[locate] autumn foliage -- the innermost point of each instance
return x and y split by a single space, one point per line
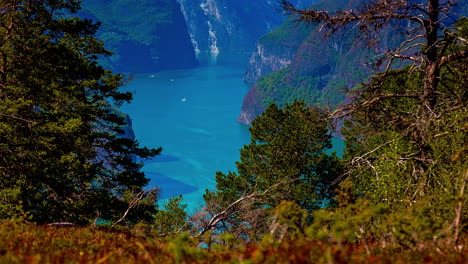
28 243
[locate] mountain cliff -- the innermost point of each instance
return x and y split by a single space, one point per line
145 36
275 50
319 72
226 29
298 61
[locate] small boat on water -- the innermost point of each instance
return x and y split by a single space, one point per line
183 99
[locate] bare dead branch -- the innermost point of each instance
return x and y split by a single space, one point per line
347 110
133 203
453 57
229 209
18 118
376 14
411 58
458 209
356 160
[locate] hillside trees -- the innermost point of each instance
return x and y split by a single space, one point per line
62 156
285 161
406 128
428 27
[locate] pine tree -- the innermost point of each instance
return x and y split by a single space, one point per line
285 161
62 156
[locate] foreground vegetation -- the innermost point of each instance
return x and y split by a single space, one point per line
29 243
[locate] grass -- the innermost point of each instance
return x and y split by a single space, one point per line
29 243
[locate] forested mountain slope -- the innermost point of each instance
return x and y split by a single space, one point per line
299 61
145 36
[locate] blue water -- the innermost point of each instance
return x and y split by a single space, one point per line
192 115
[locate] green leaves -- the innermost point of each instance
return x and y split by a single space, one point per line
399 150
286 146
172 219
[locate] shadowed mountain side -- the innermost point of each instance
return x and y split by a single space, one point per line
145 36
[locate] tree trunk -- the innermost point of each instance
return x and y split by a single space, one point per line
432 68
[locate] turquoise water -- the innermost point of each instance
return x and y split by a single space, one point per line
192 115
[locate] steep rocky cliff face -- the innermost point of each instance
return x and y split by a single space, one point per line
227 29
319 72
275 50
145 35
128 128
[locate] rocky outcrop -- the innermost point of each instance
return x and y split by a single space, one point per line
226 29
125 130
252 105
263 61
128 128
145 36
275 50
